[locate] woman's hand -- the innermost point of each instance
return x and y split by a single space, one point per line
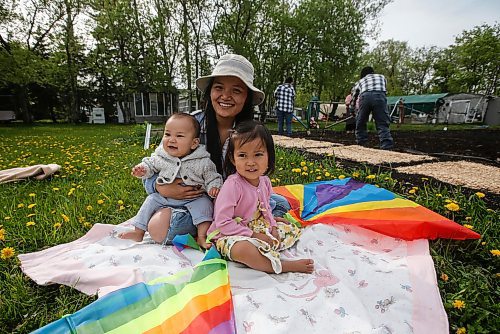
178 190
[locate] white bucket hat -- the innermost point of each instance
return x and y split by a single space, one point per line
236 66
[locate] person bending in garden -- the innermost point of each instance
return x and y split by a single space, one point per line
179 157
230 97
244 229
372 99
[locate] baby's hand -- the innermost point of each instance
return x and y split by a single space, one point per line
138 171
213 192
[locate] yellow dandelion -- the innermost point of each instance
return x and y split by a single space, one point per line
87 225
32 195
304 168
341 177
452 206
2 234
7 253
412 191
327 174
55 189
31 223
483 243
89 208
302 163
459 304
495 252
64 217
318 177
57 225
31 205
20 205
444 277
480 194
121 208
370 177
100 201
355 174
120 202
461 330
71 191
470 227
439 195
304 174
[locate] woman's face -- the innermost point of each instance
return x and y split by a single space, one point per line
228 96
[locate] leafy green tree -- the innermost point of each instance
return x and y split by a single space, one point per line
420 70
390 58
25 47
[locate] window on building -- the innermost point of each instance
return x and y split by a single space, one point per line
138 104
153 102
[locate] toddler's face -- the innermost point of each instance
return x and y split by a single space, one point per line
179 137
251 160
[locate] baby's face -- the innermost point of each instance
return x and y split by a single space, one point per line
179 137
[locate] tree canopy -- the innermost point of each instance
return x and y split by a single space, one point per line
98 52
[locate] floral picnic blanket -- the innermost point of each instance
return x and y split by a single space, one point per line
364 282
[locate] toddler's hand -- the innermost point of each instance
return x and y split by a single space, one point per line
213 192
138 171
275 234
264 237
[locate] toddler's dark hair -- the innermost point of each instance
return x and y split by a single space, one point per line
246 132
193 120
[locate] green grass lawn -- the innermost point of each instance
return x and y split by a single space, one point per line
95 186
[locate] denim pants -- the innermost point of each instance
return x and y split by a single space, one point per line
199 209
374 102
284 117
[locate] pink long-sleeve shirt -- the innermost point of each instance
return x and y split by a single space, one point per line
238 198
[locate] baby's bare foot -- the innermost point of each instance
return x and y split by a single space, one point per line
201 240
299 266
136 235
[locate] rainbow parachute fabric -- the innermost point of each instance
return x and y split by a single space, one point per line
351 202
188 302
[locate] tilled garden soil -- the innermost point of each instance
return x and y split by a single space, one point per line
481 145
477 148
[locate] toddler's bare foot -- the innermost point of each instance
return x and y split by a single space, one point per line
136 235
298 266
202 241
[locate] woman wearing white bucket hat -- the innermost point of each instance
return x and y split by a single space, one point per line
230 97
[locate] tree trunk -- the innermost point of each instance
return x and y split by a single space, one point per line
186 52
22 100
70 49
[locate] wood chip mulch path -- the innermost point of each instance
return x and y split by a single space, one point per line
463 173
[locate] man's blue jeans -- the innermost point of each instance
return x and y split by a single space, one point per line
282 118
374 102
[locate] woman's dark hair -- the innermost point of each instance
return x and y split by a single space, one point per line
213 144
246 132
365 71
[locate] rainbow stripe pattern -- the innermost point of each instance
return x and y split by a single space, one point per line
351 202
188 302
